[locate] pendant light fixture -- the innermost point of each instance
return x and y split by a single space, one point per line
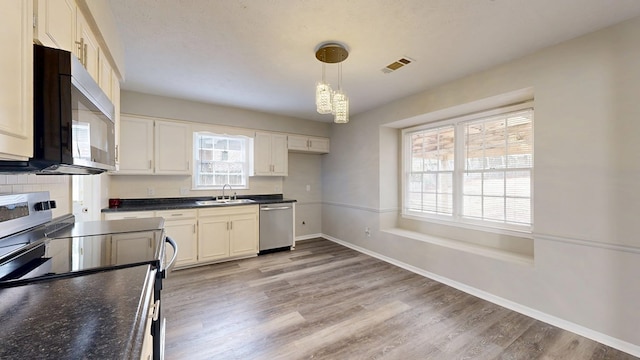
327 100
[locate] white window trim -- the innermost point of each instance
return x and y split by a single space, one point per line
247 167
456 219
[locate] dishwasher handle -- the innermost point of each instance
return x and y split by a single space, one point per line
267 208
173 244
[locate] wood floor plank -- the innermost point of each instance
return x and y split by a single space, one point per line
326 301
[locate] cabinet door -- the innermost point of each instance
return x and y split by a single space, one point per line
55 25
180 225
298 143
136 146
279 155
16 86
130 248
115 91
183 232
243 237
87 49
262 154
173 151
105 77
213 238
319 145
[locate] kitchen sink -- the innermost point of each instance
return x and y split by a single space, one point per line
224 202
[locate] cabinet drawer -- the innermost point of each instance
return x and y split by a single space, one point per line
228 210
129 215
178 214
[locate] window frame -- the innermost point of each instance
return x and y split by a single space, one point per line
246 164
457 218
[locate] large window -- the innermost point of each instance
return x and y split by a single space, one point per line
474 169
220 160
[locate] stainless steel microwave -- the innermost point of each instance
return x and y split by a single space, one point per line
73 125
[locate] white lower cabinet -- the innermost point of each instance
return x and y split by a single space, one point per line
203 236
181 226
227 232
130 248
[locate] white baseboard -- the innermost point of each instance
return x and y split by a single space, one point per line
309 237
511 305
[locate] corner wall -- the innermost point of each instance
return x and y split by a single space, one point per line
586 173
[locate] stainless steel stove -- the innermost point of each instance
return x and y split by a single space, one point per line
34 247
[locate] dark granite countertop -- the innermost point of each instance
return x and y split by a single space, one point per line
155 204
94 316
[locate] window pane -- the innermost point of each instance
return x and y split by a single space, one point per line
519 210
445 183
446 149
493 208
429 202
415 182
518 183
493 183
429 183
472 184
416 151
472 206
445 203
220 160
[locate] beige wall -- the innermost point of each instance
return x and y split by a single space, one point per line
586 247
305 170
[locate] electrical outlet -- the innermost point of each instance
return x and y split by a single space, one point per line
367 231
308 187
151 191
184 191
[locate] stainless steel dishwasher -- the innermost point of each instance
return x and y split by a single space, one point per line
276 227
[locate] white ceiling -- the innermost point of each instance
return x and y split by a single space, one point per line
260 54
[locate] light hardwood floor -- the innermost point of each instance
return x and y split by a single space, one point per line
326 301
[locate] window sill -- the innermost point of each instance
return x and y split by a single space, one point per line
494 253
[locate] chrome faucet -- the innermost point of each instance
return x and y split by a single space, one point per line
225 185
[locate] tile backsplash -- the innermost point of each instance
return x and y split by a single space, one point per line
59 187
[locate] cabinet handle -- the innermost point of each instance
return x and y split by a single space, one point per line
84 56
227 226
231 225
177 214
188 165
80 50
194 228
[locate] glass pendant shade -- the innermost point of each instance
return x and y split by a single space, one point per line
340 107
323 98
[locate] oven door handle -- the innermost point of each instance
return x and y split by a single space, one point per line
175 251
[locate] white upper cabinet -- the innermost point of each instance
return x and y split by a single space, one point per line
115 97
105 81
173 150
86 47
55 23
270 155
136 145
297 143
149 146
16 85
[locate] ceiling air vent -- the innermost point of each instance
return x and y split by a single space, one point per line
397 65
